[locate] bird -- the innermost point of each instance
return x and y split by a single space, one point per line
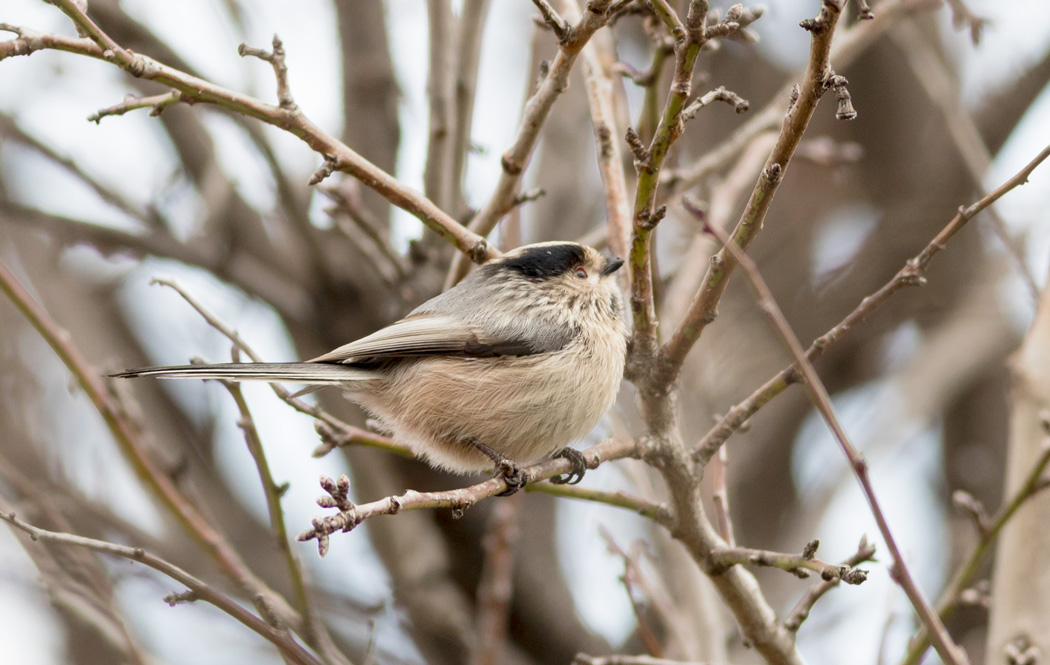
509 366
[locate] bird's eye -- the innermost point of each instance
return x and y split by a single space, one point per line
581 272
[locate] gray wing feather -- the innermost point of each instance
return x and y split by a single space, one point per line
413 336
479 317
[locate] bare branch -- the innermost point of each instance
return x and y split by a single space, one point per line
280 70
845 49
495 589
955 593
584 659
912 274
538 107
155 103
600 93
865 552
689 39
719 94
703 308
657 512
559 26
632 580
720 497
798 565
126 435
200 590
314 631
942 89
949 652
350 515
197 90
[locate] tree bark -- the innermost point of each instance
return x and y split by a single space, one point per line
1020 614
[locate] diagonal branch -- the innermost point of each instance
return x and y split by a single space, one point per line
125 433
339 156
850 44
657 512
199 590
912 274
949 652
703 308
516 158
966 572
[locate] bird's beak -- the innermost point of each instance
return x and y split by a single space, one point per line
611 266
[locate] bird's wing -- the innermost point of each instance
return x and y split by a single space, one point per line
429 334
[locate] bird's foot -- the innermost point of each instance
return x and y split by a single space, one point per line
512 475
579 467
506 468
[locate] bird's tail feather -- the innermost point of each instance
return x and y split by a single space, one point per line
312 373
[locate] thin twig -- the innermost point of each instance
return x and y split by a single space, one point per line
339 156
943 90
912 274
314 629
600 99
719 94
796 564
459 500
657 512
280 69
632 579
946 648
720 497
558 25
200 590
516 158
347 198
703 308
953 594
155 103
125 434
865 552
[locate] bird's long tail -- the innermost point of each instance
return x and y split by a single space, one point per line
311 373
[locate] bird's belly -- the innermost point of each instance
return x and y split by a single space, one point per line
516 406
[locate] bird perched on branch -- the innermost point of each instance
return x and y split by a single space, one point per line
512 364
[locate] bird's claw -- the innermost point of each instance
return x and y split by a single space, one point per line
512 475
579 467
